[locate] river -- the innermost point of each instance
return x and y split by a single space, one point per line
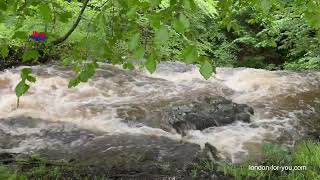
53 118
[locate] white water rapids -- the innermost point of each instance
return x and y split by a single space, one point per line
276 97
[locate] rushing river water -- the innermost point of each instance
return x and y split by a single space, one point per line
280 100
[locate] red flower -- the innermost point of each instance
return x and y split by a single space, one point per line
35 34
38 37
42 35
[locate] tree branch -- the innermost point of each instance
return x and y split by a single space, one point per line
63 38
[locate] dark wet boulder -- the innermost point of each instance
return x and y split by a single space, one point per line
7 158
193 113
208 112
131 155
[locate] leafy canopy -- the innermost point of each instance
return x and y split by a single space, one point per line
142 33
119 31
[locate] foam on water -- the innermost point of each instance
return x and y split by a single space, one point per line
256 84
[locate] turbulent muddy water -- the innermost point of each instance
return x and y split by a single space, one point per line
122 107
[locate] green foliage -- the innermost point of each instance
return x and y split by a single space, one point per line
45 13
189 54
8 174
134 42
87 72
4 51
84 75
206 69
280 32
203 166
304 154
253 62
151 64
309 63
22 35
30 55
181 24
118 31
22 86
161 35
229 33
37 167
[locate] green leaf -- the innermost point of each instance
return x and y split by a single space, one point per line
134 41
2 17
21 88
20 35
128 65
173 2
313 19
266 5
96 24
87 72
30 55
67 61
73 82
206 70
34 2
189 4
76 68
162 35
99 48
25 73
189 54
3 5
184 20
151 64
65 16
155 2
45 13
4 51
178 26
31 79
139 53
181 24
155 21
132 12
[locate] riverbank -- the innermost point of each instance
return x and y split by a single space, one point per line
14 59
36 167
305 157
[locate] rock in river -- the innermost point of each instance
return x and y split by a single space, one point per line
199 114
212 111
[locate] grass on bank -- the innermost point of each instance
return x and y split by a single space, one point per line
304 154
36 167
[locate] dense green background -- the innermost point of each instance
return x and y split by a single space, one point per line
270 34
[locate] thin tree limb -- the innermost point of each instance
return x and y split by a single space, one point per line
63 38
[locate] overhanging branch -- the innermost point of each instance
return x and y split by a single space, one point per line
74 26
